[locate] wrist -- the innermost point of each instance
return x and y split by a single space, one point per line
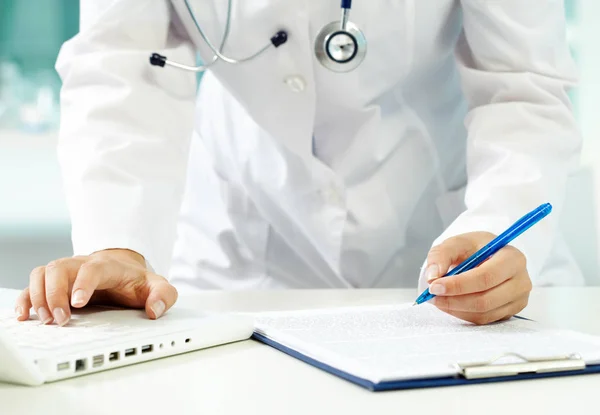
122 255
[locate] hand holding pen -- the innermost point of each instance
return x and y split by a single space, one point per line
489 282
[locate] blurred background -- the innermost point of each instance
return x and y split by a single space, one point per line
34 222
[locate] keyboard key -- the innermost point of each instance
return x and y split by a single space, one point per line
79 330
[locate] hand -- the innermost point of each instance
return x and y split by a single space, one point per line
110 277
495 290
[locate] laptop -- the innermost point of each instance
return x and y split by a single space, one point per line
103 338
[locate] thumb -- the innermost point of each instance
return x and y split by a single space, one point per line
451 252
161 296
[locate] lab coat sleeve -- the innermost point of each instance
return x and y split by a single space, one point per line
125 128
523 139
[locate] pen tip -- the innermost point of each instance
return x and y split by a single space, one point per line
414 304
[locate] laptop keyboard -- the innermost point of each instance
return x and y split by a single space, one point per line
31 334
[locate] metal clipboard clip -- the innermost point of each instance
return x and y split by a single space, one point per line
491 369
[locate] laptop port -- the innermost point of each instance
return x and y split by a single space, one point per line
147 348
98 360
188 340
63 366
130 352
80 365
114 356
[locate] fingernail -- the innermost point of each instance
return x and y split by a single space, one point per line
44 315
78 298
432 272
437 289
19 311
60 316
158 308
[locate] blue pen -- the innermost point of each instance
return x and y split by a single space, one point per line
495 245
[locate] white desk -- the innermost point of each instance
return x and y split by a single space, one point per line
249 377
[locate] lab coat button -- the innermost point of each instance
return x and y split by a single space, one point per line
295 82
333 197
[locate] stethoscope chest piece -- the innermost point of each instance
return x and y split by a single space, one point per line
340 50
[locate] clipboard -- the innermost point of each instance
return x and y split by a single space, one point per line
467 373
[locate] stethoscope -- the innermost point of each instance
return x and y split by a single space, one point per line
339 46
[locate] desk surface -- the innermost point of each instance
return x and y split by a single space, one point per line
248 377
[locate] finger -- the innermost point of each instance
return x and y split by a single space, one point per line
37 294
486 301
507 263
119 283
23 305
161 296
59 273
91 274
501 313
452 251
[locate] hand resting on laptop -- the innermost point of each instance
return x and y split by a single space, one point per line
109 277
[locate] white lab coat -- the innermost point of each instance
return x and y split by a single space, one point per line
457 121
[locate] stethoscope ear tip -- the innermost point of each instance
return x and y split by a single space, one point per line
158 60
279 38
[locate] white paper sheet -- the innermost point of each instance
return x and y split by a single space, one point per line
405 342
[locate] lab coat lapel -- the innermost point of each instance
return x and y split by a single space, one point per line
277 88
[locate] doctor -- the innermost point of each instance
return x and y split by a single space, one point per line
322 151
